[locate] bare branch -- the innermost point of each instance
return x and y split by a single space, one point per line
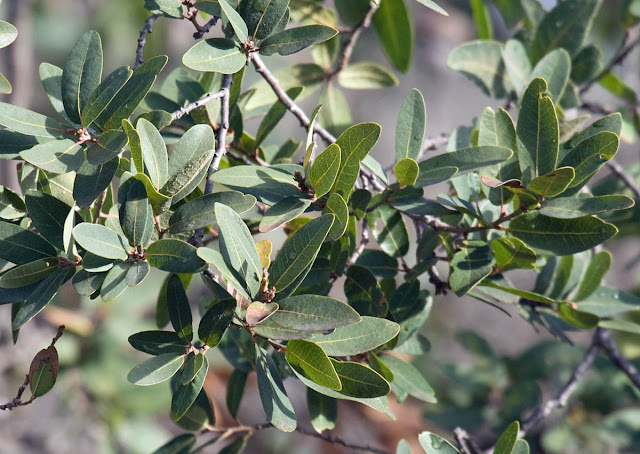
364 240
142 40
625 177
222 131
339 441
17 401
350 43
206 27
464 441
195 104
609 346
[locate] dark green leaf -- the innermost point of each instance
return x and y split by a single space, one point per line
215 321
299 252
41 296
101 241
31 123
362 337
363 292
575 207
185 394
174 256
158 342
104 93
235 390
232 16
323 410
81 75
470 266
389 230
48 215
537 132
507 441
554 68
338 207
394 28
125 102
91 181
156 370
360 381
198 213
51 79
20 246
86 283
465 160
275 402
179 309
282 212
590 155
295 39
511 254
108 147
43 371
216 54
154 153
313 363
181 444
263 17
378 262
23 275
137 222
598 267
215 258
115 282
561 236
159 202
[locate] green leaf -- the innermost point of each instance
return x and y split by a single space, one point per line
299 252
5 85
406 171
125 102
366 335
11 205
593 276
389 230
104 93
174 256
360 381
264 17
51 80
366 76
179 309
521 447
20 246
575 207
215 321
81 75
323 410
482 19
158 342
324 170
308 313
410 127
258 312
470 266
521 293
159 202
43 371
565 26
238 249
188 385
181 444
215 258
115 281
561 236
338 207
376 168
512 254
434 444
109 145
295 39
481 62
275 401
48 215
156 370
8 33
198 213
611 123
609 302
232 16
31 123
137 220
91 181
56 156
274 115
41 296
168 8
517 64
582 320
363 292
378 262
586 64
537 132
590 155
282 212
235 390
554 68
313 363
23 275
154 153
101 241
403 447
216 54
507 441
553 183
408 379
465 160
268 184
395 31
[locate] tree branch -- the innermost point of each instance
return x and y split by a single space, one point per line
195 104
142 40
609 346
339 441
625 177
350 43
222 132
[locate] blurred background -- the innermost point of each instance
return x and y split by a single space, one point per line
94 409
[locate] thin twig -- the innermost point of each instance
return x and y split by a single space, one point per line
625 177
17 401
142 40
609 346
339 441
205 28
195 104
364 240
222 132
299 113
464 441
350 43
